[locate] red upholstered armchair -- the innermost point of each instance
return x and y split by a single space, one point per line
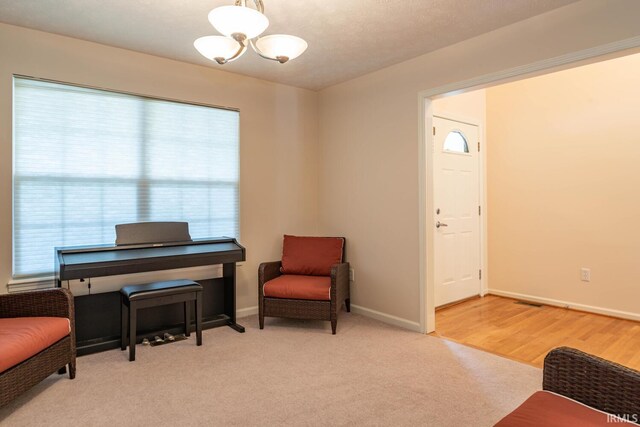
311 281
37 338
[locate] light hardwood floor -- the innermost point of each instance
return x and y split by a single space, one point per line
526 333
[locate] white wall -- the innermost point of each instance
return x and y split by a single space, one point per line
563 181
369 142
278 133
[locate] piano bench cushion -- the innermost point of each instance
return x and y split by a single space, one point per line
299 287
158 289
23 337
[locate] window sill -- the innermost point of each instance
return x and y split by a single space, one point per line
30 284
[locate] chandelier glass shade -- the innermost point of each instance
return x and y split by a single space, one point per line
281 45
241 26
212 47
229 20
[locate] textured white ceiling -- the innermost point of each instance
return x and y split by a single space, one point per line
347 38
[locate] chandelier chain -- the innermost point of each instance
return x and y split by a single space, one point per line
258 3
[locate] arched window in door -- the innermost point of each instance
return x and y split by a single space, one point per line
455 142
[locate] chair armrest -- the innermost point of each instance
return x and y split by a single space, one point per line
268 271
596 382
56 302
340 281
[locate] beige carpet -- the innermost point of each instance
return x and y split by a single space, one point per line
291 373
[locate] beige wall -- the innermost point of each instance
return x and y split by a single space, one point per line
563 185
369 142
278 126
361 181
466 106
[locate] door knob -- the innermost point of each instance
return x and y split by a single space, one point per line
441 224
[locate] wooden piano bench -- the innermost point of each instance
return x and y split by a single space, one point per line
135 297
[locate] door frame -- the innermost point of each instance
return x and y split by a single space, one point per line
426 143
482 195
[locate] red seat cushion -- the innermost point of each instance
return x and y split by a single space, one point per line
299 287
23 337
548 409
312 256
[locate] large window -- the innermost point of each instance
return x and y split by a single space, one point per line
86 160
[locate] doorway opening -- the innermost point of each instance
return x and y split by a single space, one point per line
457 204
426 217
561 157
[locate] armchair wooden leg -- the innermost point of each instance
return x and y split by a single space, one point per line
72 370
347 304
261 311
334 324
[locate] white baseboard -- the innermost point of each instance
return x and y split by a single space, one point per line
386 318
567 304
246 312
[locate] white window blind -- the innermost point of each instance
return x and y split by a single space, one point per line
86 160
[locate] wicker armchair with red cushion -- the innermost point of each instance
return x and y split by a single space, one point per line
37 338
580 389
310 282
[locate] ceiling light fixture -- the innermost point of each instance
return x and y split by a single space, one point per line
240 26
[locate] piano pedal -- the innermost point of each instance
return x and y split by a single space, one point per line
168 339
145 341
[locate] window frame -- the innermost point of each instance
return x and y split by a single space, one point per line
142 184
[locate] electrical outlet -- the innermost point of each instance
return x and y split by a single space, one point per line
352 275
585 274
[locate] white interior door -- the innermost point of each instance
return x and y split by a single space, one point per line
457 211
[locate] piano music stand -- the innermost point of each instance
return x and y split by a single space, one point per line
139 233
